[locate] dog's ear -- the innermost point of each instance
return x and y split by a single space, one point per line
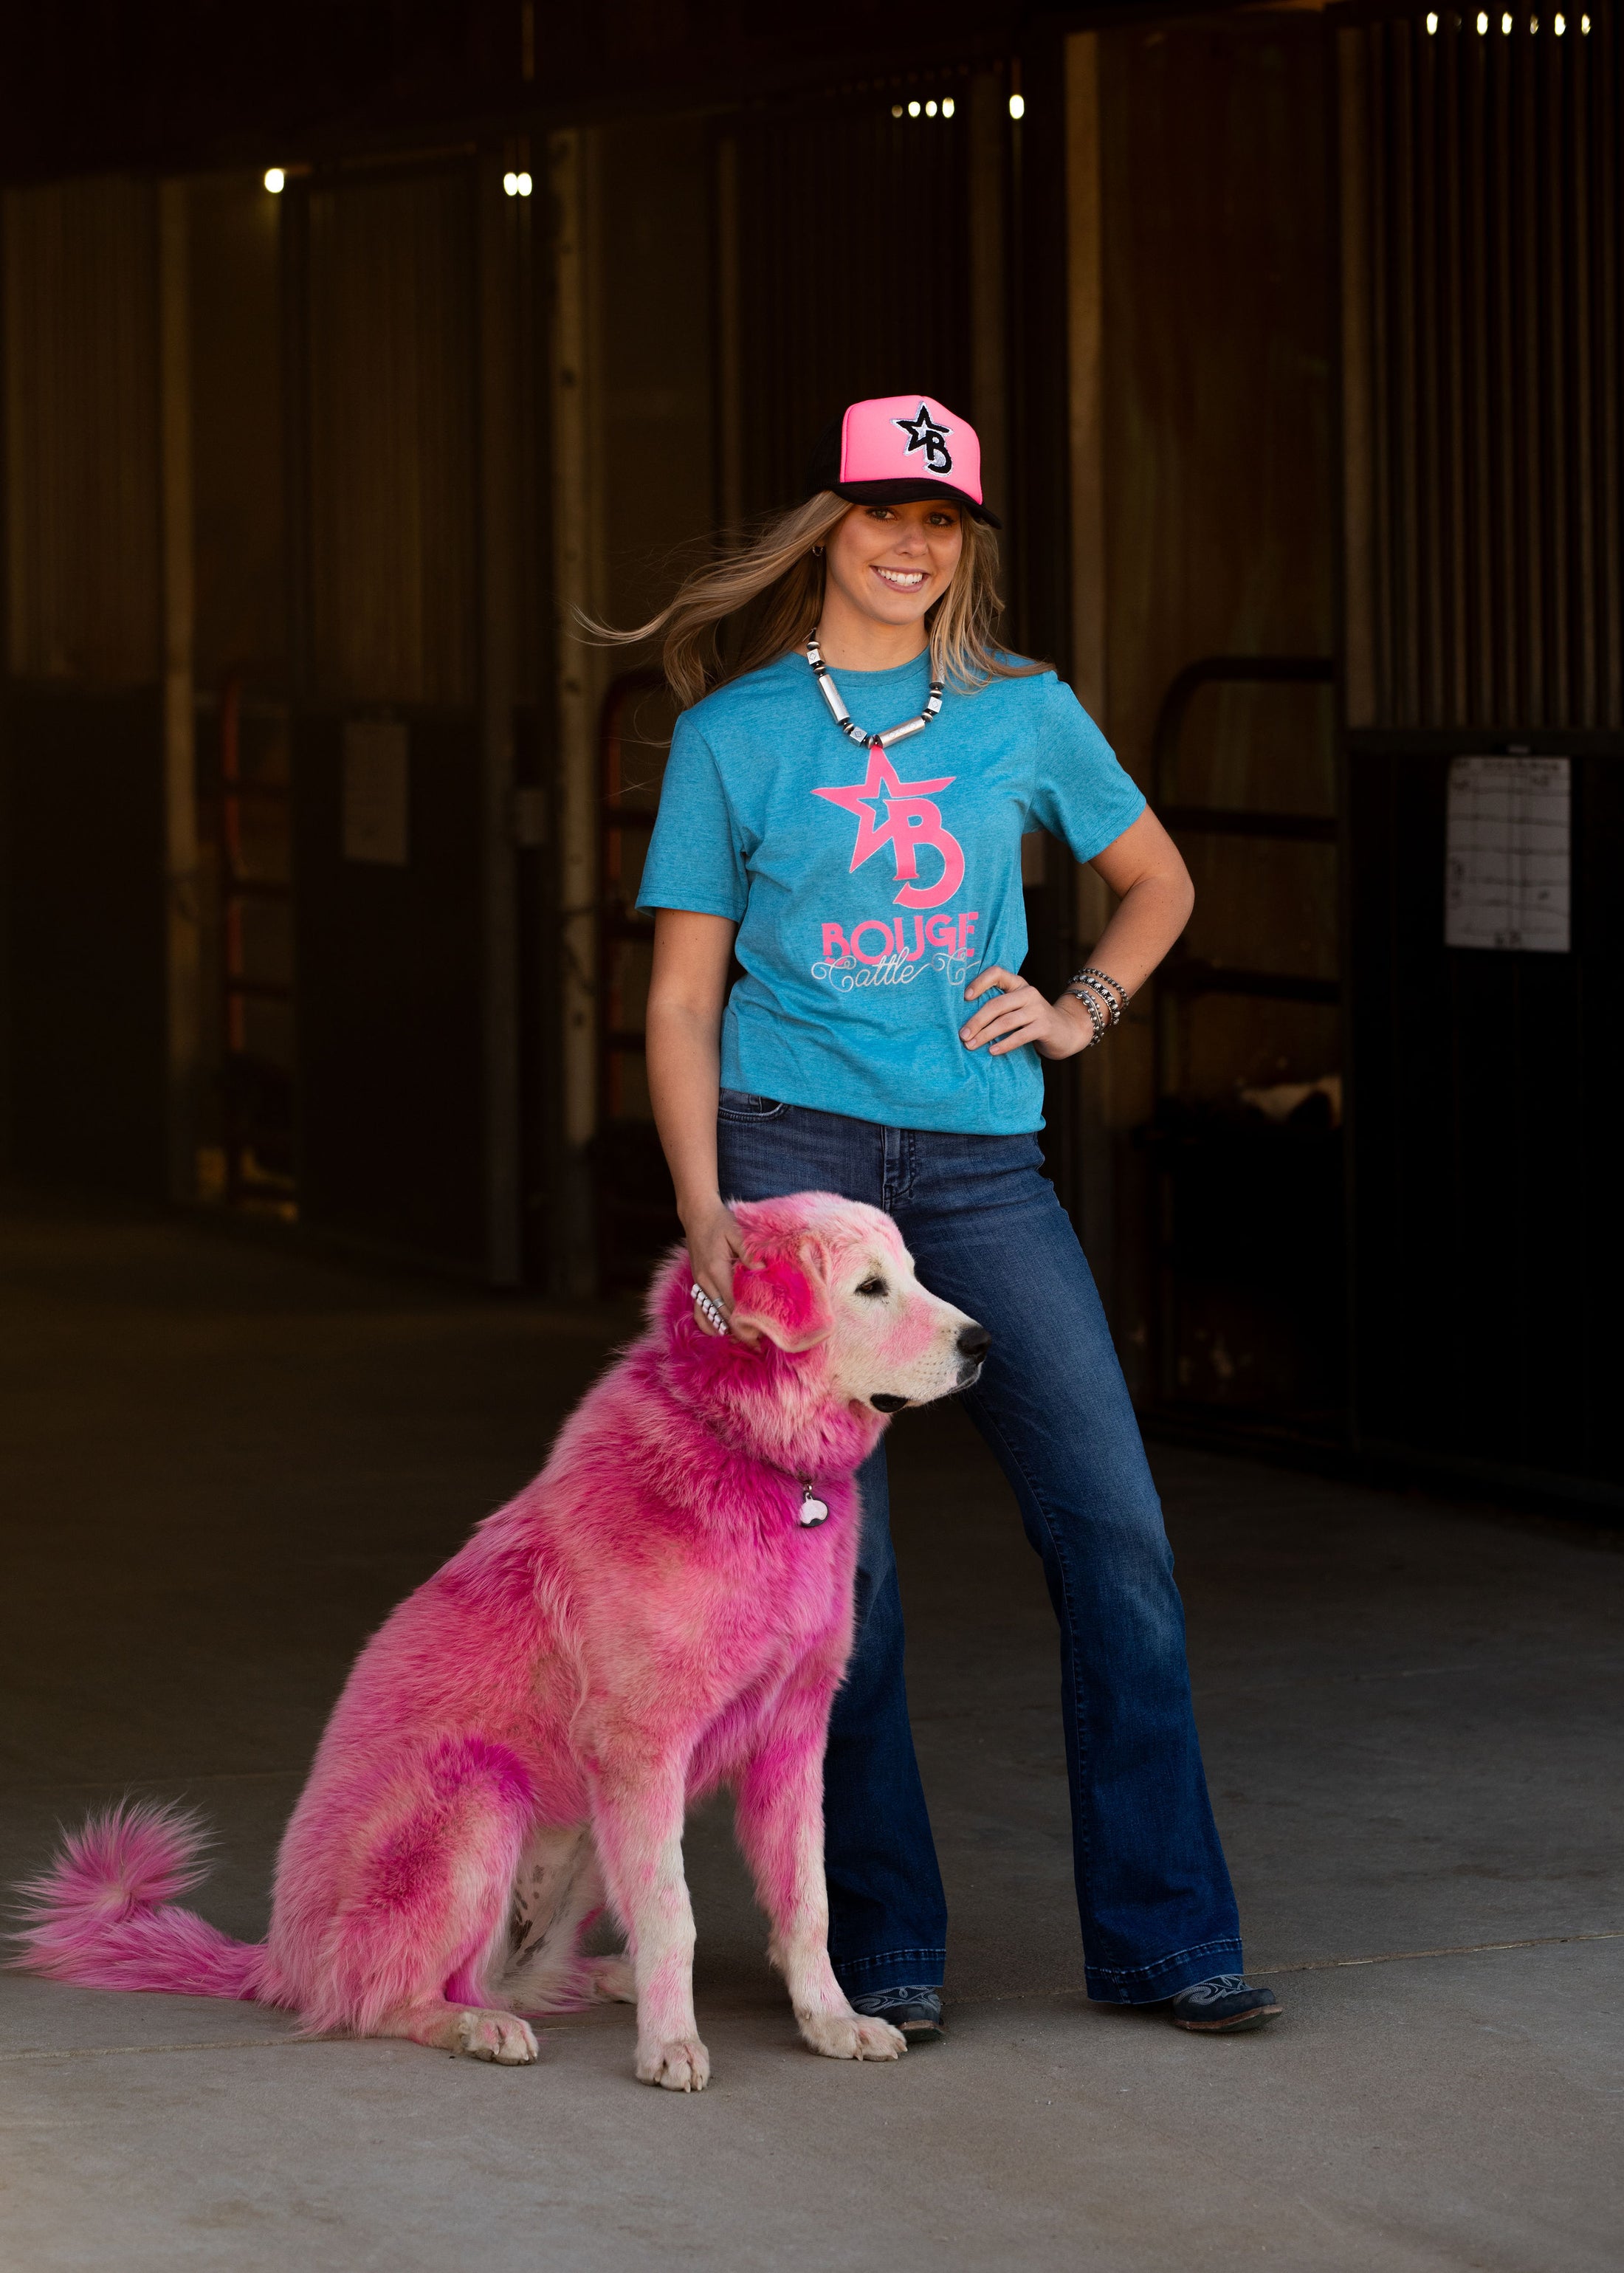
785 1296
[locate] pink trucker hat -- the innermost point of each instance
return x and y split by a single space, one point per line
896 447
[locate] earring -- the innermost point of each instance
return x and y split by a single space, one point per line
817 553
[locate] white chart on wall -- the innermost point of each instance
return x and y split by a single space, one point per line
1509 861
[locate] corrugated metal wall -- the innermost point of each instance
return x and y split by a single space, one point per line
383 282
81 416
1483 398
853 269
393 476
1493 198
82 812
1221 1240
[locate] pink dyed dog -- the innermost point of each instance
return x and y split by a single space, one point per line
653 1617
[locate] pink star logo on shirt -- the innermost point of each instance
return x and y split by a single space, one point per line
911 820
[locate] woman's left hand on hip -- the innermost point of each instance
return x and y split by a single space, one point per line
1018 1014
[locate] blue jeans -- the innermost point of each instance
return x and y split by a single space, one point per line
987 1233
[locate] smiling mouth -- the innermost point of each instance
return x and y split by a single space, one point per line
901 580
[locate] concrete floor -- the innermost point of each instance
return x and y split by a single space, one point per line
221 1465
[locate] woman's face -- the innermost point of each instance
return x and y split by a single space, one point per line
892 562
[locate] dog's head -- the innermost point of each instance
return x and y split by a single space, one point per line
830 1325
827 1274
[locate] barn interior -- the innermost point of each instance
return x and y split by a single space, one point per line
350 364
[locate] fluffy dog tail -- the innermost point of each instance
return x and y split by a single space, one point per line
104 1914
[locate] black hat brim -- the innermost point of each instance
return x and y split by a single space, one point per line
905 490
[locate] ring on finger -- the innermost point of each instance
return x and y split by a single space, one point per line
708 1309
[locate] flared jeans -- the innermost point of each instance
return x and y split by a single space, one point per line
987 1233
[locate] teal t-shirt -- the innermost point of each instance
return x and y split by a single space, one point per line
869 888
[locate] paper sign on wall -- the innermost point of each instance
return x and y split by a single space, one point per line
1509 861
376 783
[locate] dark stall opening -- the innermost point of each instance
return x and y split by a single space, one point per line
635 1206
1244 1138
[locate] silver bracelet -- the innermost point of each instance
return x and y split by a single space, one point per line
1097 1016
1110 990
1111 987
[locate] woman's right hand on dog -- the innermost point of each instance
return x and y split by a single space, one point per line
715 1243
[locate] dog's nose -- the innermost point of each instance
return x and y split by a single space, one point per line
974 1341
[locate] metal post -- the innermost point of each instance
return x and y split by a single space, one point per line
499 217
729 420
574 1270
1101 1101
989 261
182 951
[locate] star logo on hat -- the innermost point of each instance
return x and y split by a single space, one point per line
924 434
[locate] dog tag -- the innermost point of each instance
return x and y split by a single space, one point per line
812 1511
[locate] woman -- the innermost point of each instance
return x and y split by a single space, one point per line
882 1044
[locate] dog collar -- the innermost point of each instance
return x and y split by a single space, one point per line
812 1510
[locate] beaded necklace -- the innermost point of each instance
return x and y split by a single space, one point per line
842 717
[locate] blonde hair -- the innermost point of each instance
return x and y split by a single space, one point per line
775 584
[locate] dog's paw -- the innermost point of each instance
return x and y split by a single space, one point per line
500 2037
612 1977
851 2036
683 2065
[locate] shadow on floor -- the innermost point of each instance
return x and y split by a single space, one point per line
222 1465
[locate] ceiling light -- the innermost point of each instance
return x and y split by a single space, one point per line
1559 25
913 110
1432 24
947 100
1483 23
522 183
1017 106
275 180
896 111
930 111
